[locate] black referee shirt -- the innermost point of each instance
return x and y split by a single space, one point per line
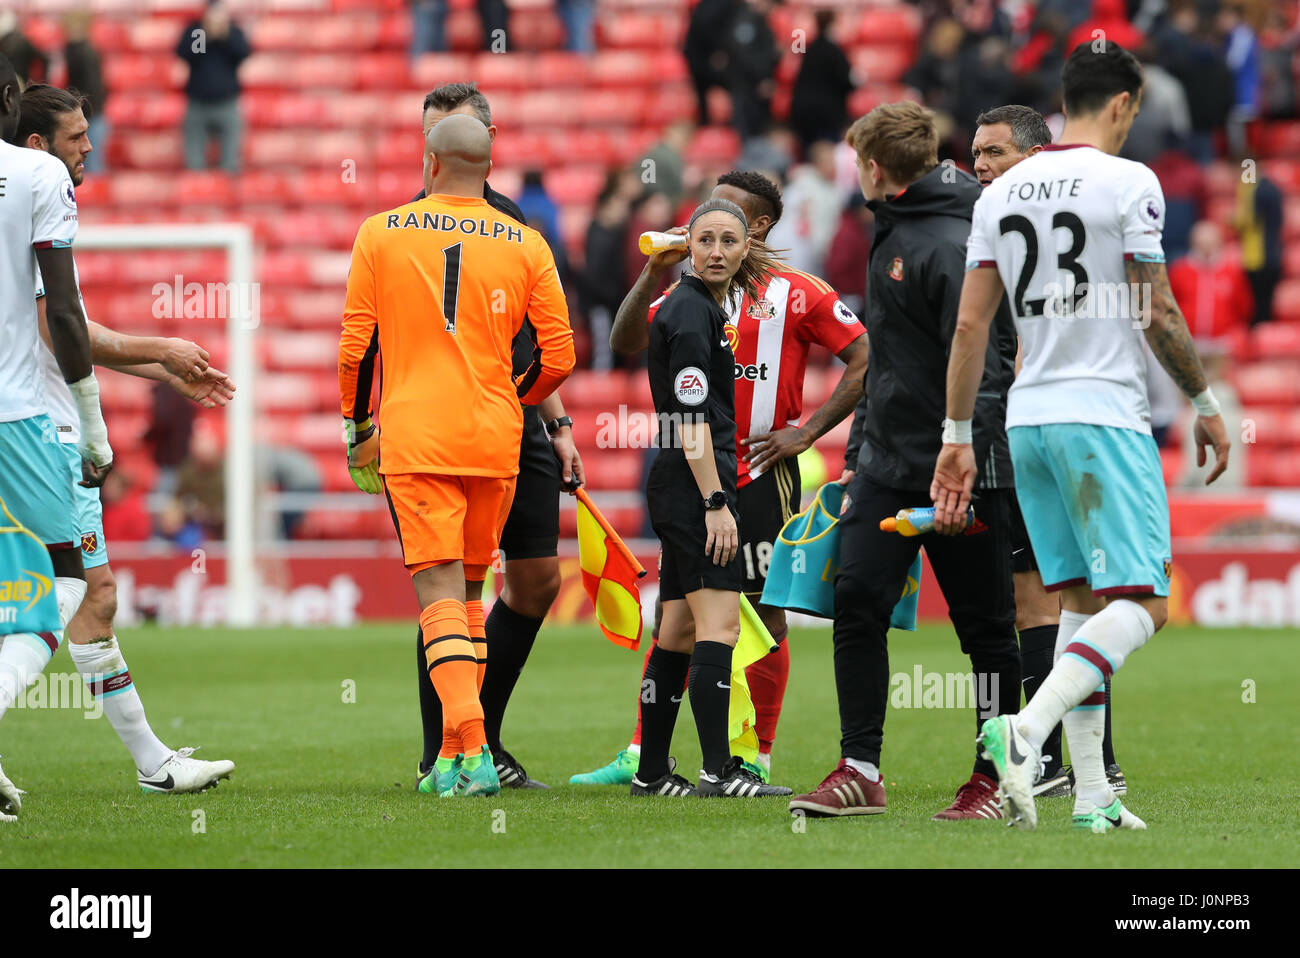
692 374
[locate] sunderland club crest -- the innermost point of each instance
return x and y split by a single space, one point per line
896 269
761 309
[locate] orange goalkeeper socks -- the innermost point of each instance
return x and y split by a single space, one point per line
477 635
453 669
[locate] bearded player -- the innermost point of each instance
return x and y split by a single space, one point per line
54 121
770 337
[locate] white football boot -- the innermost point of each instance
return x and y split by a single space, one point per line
181 774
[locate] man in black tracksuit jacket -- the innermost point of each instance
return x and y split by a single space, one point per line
914 283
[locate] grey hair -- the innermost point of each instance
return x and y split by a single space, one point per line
1028 128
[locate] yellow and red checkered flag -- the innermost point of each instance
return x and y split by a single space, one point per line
609 574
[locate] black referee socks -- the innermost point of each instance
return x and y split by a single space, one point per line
1037 650
661 697
711 702
510 638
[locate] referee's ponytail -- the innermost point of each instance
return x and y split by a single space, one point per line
758 262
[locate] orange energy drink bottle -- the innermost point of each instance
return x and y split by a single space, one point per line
916 522
651 243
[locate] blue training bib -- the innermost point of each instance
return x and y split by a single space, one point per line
27 599
806 558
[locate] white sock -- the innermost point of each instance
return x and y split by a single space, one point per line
69 592
1030 722
866 768
104 670
1070 624
1085 726
22 658
1103 642
634 750
765 760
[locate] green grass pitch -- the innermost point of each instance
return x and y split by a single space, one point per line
327 783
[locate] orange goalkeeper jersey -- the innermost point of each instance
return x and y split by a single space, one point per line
439 288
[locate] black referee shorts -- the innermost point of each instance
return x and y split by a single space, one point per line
677 516
766 505
1022 552
533 527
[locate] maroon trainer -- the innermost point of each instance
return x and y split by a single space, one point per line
978 798
845 791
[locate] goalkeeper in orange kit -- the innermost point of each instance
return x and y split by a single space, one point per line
438 288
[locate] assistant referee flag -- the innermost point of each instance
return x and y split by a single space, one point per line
609 574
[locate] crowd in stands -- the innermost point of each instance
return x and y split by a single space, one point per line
1218 73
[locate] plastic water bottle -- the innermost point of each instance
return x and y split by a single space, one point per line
654 242
916 522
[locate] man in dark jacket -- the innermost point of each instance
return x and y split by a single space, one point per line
705 49
214 47
86 76
821 91
752 58
923 213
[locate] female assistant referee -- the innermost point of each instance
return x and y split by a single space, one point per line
691 495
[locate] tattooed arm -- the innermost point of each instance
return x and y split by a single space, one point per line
1167 334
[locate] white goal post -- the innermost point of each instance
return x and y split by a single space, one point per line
236 239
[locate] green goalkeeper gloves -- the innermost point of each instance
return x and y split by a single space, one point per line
362 439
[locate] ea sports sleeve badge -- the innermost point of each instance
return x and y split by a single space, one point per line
806 558
27 599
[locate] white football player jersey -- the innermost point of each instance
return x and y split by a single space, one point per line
58 397
37 207
1059 227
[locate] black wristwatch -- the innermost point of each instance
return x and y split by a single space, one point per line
555 425
716 501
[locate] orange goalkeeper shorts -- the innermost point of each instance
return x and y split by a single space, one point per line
444 518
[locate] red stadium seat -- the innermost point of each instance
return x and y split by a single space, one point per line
285 391
623 68
879 64
154 35
127 394
464 32
651 30
432 70
615 470
143 189
516 71
146 72
560 69
395 32
714 145
673 102
286 351
1271 383
206 187
281 34
344 34
369 6
537 29
899 24
382 71
588 389
1276 341
1268 425
1286 301
574 183
1281 139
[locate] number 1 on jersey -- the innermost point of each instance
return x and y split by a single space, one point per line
450 285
